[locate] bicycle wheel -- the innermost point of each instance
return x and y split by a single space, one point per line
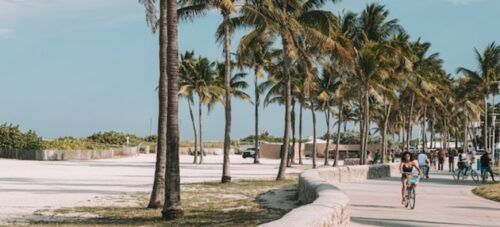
412 198
474 175
406 203
484 176
457 174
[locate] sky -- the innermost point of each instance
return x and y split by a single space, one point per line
75 67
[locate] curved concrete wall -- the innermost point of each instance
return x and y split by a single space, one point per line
326 204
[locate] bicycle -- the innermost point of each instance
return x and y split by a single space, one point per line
411 197
464 174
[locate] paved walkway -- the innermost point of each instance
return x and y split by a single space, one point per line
440 202
26 186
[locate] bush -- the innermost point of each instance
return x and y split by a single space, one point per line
115 138
12 138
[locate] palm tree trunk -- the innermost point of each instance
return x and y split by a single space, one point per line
485 131
195 160
200 127
410 123
313 113
366 124
403 132
466 126
291 159
326 151
300 135
226 171
384 131
424 120
256 157
337 143
172 208
158 191
288 102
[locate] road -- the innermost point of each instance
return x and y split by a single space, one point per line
26 186
440 202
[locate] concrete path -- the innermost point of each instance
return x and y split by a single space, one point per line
440 202
26 186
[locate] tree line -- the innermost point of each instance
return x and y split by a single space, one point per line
361 67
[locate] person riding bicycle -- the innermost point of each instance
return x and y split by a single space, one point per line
423 162
406 169
463 162
486 165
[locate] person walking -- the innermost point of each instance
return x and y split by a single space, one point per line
391 155
423 162
441 156
433 159
486 165
451 159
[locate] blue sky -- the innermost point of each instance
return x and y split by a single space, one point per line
74 67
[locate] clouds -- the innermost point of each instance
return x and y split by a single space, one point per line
6 33
463 2
24 17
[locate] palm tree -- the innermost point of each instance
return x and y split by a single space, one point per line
187 68
198 7
204 82
158 192
484 80
172 208
254 52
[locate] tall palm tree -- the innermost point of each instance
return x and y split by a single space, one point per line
292 21
172 208
158 192
187 69
254 52
485 79
199 7
204 82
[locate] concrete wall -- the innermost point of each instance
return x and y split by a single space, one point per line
272 150
352 149
57 155
327 205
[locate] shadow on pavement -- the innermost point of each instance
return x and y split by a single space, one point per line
402 222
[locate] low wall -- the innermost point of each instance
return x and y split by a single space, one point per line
327 205
57 155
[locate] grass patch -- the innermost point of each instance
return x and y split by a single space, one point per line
204 204
488 191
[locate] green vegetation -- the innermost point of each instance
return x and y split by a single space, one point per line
12 138
206 204
488 191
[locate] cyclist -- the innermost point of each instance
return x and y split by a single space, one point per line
486 165
406 169
463 162
423 162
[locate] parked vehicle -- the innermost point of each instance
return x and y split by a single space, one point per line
249 152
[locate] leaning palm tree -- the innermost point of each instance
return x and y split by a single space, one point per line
187 69
485 80
158 192
204 82
172 208
294 21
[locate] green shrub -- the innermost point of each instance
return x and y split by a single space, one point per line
11 137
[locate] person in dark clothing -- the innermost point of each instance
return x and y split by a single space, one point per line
451 159
441 156
376 157
486 165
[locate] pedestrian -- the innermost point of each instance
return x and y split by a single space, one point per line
441 156
433 159
486 166
376 157
369 158
423 162
451 159
391 155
